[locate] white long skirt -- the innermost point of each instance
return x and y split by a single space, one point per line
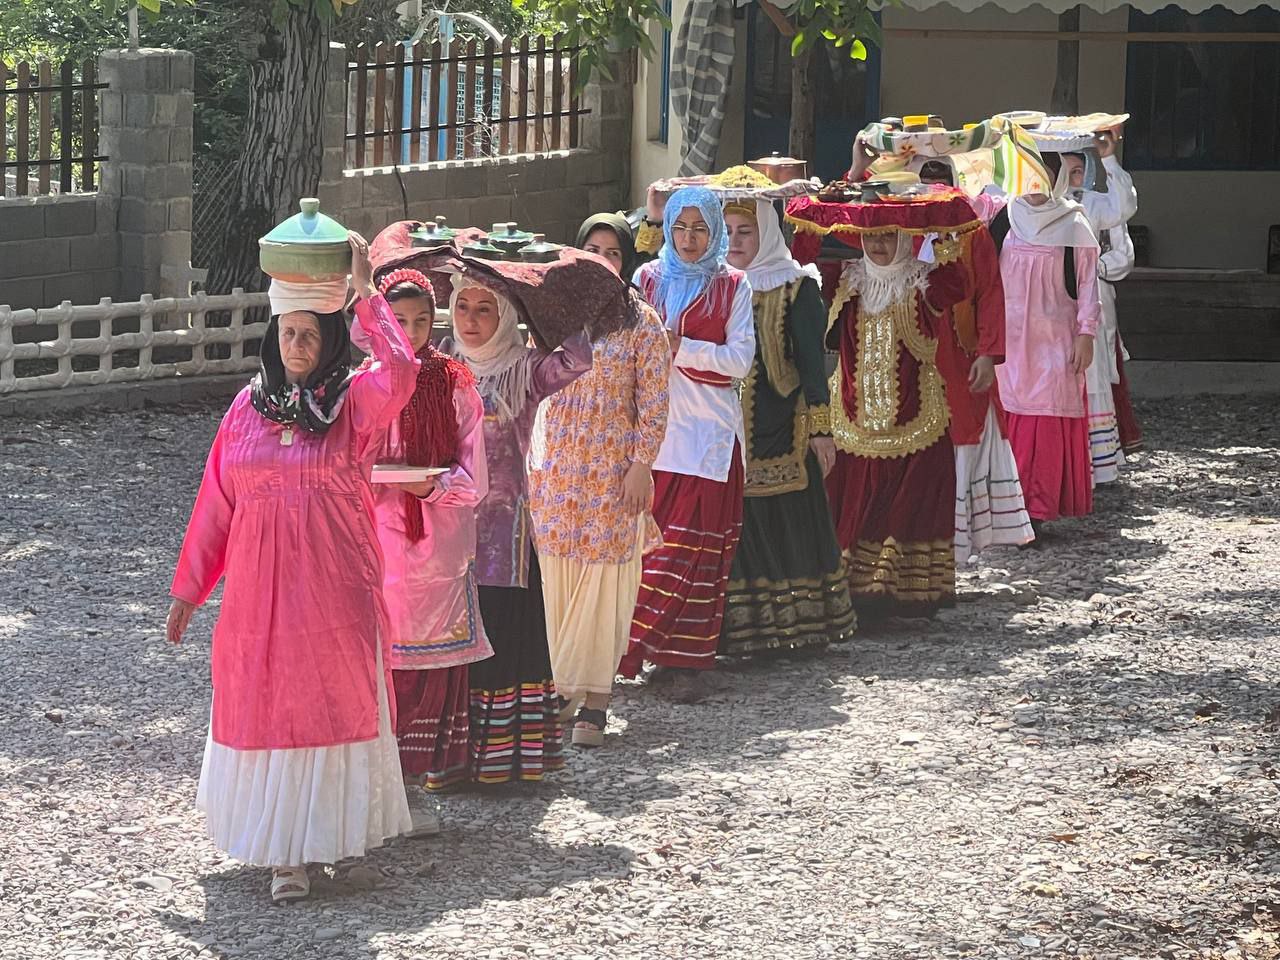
990 510
286 808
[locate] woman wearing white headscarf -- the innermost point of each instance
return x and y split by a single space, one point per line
1108 214
1051 316
515 726
788 587
705 305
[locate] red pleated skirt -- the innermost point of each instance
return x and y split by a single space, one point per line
433 724
895 522
682 593
1130 431
1053 463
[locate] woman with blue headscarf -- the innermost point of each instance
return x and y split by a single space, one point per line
705 305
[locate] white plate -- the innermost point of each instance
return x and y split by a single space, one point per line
403 473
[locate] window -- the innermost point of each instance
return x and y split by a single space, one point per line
841 87
660 93
1203 105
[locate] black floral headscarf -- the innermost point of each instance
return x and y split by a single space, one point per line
313 405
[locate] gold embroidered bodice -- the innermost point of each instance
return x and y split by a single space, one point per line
876 432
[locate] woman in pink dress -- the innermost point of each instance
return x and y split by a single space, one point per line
300 764
428 535
1050 319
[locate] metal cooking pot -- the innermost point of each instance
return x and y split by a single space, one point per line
781 169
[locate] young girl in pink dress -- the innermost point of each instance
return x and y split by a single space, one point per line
1050 320
428 534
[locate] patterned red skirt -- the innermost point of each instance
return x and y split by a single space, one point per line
433 722
895 522
682 592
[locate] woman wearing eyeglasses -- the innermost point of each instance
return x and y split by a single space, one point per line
705 305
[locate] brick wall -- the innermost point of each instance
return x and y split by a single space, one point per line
58 248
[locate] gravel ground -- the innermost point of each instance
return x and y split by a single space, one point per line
1080 759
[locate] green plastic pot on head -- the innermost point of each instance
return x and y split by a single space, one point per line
307 248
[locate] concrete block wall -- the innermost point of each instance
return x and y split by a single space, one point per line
134 235
547 193
147 128
58 248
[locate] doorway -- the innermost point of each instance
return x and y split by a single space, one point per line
847 95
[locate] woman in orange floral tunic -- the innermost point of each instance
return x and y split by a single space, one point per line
591 491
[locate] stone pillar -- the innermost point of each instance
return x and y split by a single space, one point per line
607 128
338 194
146 134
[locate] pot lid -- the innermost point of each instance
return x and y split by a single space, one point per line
540 251
434 231
509 235
483 249
308 227
774 159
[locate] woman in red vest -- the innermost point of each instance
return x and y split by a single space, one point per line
698 476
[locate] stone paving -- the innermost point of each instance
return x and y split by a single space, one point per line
1080 759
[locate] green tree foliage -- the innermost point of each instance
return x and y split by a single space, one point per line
599 28
842 23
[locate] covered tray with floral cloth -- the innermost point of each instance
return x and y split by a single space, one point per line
555 299
903 144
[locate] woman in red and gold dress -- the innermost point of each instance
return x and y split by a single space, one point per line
892 489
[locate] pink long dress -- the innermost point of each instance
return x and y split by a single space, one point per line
1044 398
430 589
294 766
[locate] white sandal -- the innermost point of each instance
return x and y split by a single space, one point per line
289 883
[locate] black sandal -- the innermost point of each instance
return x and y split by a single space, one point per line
593 735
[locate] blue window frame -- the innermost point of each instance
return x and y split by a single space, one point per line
664 108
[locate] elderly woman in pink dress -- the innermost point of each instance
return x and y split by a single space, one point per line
301 762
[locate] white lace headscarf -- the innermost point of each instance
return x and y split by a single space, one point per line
879 285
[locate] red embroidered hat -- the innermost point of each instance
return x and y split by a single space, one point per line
935 210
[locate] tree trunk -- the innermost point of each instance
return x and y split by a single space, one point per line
1065 100
283 143
802 105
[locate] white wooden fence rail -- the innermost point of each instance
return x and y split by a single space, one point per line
187 315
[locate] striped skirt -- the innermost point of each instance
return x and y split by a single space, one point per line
990 510
515 716
895 521
680 607
433 724
1104 437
